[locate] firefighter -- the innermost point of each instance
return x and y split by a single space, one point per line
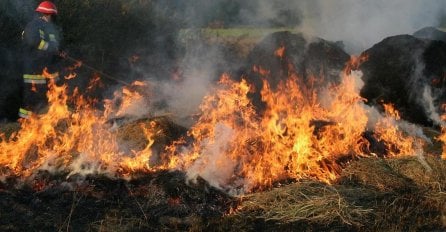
41 39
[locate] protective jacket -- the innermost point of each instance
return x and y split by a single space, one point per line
41 42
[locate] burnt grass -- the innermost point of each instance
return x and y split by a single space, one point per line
157 201
372 194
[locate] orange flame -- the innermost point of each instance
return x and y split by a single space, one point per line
49 75
128 100
94 82
355 62
303 133
396 141
70 76
280 52
77 64
260 70
77 140
442 138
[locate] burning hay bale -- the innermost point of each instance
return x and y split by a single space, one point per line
408 72
281 52
315 60
368 194
131 134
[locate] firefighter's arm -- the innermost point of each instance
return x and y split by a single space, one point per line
35 37
53 46
50 46
31 36
54 36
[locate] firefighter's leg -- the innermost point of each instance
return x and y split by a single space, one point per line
34 96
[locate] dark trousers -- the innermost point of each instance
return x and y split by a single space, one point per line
34 97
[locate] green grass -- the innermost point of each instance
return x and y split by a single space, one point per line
237 32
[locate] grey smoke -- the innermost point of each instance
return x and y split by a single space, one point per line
359 23
362 23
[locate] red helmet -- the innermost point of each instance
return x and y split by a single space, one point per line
47 7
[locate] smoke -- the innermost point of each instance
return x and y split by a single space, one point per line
180 93
420 89
430 106
360 24
214 165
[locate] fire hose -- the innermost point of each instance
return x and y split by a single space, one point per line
118 80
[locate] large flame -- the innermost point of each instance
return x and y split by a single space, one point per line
285 142
302 133
77 140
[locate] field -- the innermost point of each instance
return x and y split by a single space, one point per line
241 39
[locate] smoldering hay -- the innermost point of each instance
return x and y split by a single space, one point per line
408 72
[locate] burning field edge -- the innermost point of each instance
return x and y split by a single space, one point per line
371 194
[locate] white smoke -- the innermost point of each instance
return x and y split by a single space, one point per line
182 95
358 23
362 23
430 107
213 165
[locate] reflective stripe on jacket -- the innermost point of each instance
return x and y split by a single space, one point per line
23 113
34 79
41 41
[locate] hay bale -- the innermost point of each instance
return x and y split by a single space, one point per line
131 135
315 61
397 70
430 33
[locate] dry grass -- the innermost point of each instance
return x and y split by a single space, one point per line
309 201
398 194
114 222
